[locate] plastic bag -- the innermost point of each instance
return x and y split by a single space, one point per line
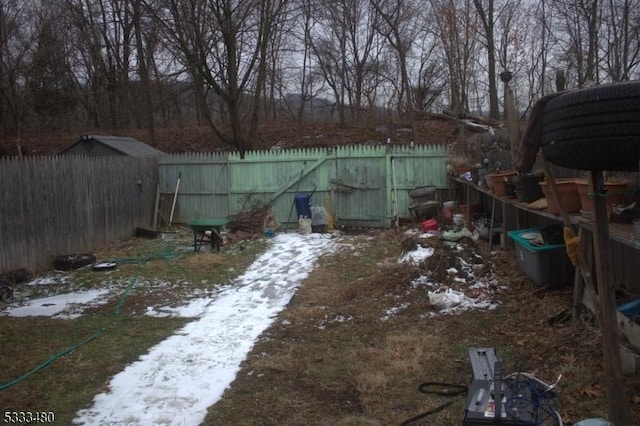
304 226
318 215
446 299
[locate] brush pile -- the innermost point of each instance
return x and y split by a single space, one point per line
256 221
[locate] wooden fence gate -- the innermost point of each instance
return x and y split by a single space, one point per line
360 186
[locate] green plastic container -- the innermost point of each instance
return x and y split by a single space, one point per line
545 265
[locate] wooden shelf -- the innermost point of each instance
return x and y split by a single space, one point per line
622 233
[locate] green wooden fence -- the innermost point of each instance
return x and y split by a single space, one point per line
357 184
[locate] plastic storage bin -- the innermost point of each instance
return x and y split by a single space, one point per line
547 264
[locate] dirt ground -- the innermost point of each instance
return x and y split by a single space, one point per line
360 337
271 134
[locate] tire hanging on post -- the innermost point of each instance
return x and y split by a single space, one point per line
596 128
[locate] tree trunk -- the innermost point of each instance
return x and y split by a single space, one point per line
486 16
143 72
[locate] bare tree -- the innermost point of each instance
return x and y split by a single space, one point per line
344 47
223 44
17 42
431 81
50 86
144 55
621 38
457 28
103 37
397 25
579 37
486 9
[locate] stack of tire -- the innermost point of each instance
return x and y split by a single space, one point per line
596 128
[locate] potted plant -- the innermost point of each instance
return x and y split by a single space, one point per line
500 180
567 192
615 193
527 186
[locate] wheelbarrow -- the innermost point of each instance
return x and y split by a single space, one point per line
207 230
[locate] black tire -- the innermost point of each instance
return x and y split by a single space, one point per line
597 128
423 192
68 262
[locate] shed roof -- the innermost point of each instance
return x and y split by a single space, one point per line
122 144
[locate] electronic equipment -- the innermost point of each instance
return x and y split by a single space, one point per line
515 400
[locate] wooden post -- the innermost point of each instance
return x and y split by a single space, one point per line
156 207
619 407
175 199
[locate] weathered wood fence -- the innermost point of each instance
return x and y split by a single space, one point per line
59 205
360 185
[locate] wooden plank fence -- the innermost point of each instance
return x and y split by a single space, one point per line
60 205
355 183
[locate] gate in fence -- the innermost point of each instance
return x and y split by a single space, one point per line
361 186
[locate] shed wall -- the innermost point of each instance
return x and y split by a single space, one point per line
59 205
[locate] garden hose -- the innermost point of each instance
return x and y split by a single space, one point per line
148 255
60 354
72 348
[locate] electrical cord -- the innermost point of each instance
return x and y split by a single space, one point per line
437 388
529 393
535 395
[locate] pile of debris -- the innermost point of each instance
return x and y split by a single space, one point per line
253 223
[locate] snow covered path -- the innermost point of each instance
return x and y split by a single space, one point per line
182 376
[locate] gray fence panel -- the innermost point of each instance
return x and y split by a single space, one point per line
59 205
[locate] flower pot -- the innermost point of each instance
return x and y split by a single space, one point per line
567 193
498 180
615 194
527 187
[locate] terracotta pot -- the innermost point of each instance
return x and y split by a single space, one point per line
615 194
498 180
567 192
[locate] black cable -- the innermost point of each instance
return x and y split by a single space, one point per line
437 388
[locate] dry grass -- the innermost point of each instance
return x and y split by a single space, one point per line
73 360
336 356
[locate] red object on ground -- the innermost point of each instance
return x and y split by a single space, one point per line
429 225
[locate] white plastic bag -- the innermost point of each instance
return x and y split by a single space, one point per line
445 299
304 226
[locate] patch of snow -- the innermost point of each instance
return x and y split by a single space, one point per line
195 308
48 280
178 379
392 311
61 306
416 256
336 319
